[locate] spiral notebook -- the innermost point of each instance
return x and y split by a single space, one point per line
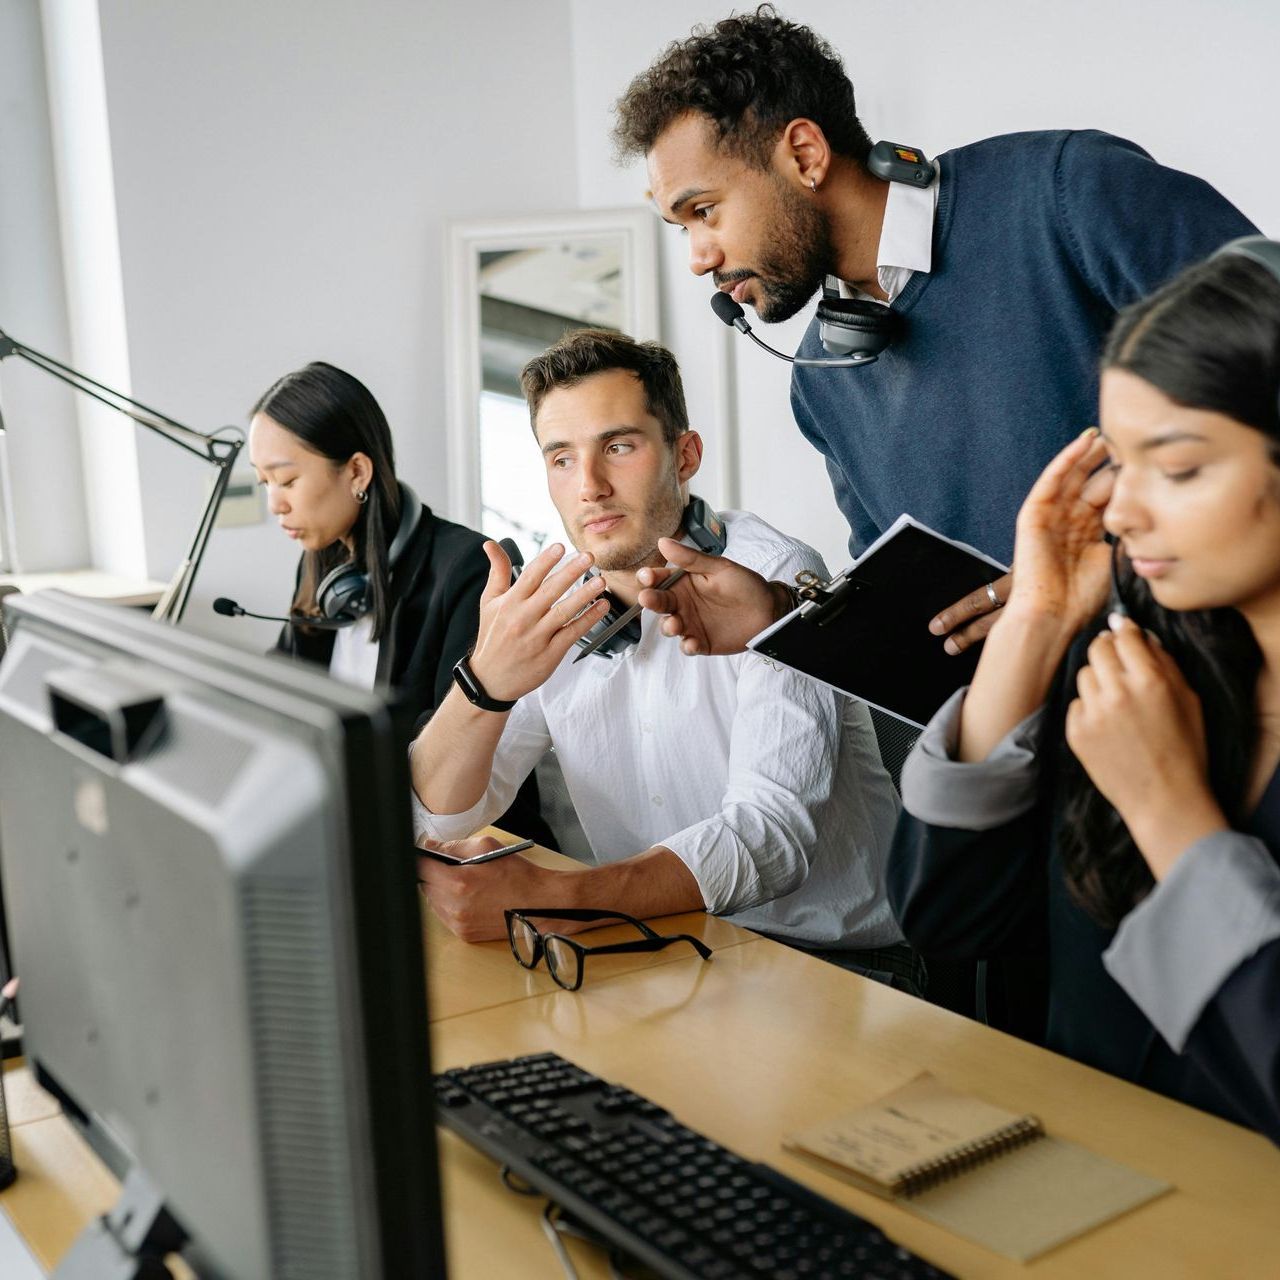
989 1174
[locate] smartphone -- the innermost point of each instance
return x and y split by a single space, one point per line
450 860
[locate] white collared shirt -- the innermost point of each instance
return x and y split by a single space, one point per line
906 237
766 784
355 654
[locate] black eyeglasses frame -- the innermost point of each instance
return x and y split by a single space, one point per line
652 941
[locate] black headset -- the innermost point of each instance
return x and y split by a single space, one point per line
853 331
704 528
344 595
852 326
855 326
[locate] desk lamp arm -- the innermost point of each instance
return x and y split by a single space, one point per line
218 448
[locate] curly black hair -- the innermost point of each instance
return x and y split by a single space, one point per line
750 75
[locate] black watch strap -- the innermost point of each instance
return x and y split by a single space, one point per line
473 690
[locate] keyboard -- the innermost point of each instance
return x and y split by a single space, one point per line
677 1202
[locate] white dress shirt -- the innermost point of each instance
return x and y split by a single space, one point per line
906 238
766 784
355 656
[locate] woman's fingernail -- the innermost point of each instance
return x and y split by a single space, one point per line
1088 431
1116 620
935 627
950 646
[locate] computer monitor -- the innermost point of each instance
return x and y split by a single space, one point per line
213 909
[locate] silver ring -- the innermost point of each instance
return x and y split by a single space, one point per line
996 602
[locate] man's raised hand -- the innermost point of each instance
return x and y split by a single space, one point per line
526 627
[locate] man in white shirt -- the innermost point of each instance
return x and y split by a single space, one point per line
725 784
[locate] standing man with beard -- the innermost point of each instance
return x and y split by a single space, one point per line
1002 278
727 784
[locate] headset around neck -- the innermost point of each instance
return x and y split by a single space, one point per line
704 528
344 594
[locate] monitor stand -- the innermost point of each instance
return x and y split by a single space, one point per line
129 1242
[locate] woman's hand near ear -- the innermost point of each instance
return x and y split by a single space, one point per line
1060 572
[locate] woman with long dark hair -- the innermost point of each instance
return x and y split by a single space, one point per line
393 589
1106 794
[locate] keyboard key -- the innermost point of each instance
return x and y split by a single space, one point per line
695 1205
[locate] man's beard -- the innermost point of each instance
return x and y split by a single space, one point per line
661 519
801 256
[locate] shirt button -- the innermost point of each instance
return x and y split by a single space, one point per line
657 801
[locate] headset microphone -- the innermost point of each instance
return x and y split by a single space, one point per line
857 329
229 609
1116 603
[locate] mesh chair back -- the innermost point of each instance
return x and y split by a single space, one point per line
895 738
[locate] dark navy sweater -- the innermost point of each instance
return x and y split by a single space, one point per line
1039 239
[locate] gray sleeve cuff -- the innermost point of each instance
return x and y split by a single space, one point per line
1218 906
939 790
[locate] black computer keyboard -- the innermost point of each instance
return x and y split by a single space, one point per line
671 1199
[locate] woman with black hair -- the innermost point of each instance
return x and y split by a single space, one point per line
1106 793
394 590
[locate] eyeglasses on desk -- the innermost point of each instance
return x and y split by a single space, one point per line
566 957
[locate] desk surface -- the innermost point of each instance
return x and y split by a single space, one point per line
467 976
763 1040
748 1046
94 583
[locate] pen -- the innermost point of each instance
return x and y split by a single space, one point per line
622 619
500 852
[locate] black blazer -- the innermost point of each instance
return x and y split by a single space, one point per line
435 592
1002 893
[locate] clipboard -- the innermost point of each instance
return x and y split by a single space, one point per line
866 632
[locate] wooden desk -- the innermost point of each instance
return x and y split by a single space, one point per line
62 1185
763 1040
746 1047
466 976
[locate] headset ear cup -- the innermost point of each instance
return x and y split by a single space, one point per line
410 514
343 594
848 326
620 640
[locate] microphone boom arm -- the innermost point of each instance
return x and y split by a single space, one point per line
843 362
731 313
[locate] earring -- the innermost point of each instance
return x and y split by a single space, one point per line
361 496
813 185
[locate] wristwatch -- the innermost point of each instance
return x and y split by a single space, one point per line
473 690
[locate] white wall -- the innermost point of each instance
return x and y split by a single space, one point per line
1193 81
95 291
283 173
43 442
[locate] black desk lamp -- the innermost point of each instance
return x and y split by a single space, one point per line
220 448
